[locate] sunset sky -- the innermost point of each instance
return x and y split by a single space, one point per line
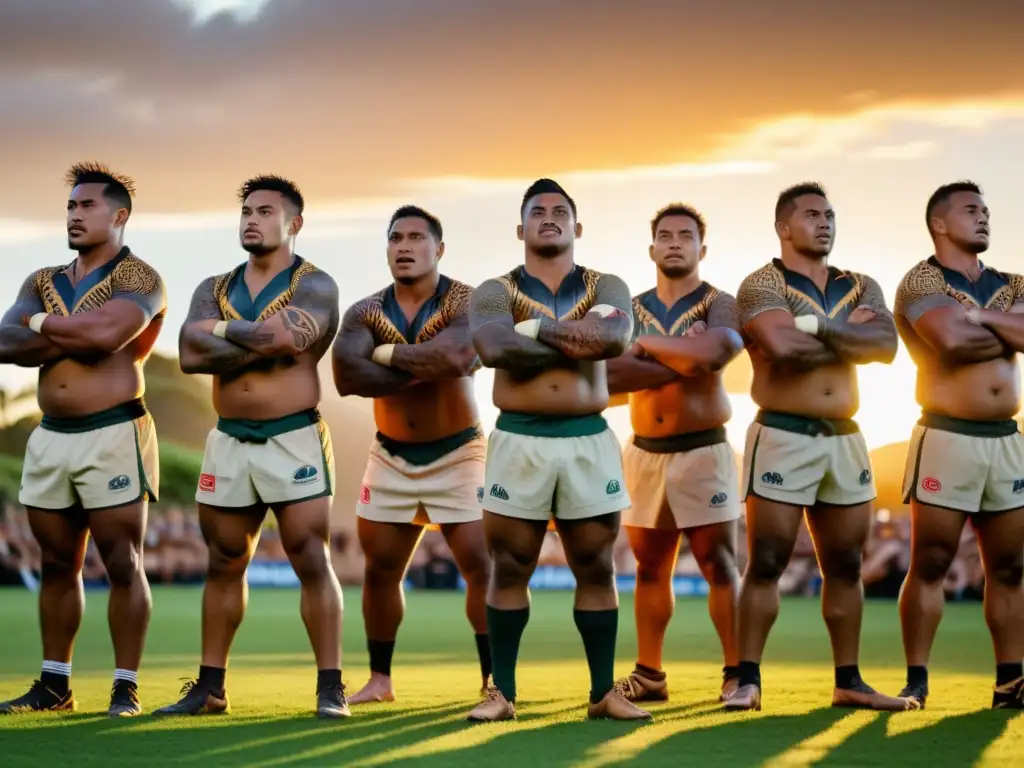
457 105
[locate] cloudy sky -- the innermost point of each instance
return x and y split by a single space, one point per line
458 104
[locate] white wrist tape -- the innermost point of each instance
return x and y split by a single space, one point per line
382 354
36 321
528 328
604 310
808 324
221 329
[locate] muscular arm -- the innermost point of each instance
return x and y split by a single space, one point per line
629 372
296 327
595 337
19 344
494 337
355 373
199 351
449 355
1007 326
768 322
875 341
703 353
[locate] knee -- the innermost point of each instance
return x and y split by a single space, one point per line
58 566
226 561
719 569
309 559
380 572
842 566
767 563
510 571
595 571
1008 573
123 563
931 564
477 570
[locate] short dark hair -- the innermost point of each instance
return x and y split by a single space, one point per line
118 188
787 198
942 195
414 211
543 187
679 209
271 183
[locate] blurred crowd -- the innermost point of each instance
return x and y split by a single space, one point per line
176 554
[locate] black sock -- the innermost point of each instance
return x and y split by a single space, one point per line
59 684
650 672
750 673
599 630
327 678
1007 673
505 630
381 652
847 676
483 651
212 678
917 676
730 673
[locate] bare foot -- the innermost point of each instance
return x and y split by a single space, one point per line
378 688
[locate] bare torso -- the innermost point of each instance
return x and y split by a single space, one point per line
427 412
828 392
695 405
574 390
269 389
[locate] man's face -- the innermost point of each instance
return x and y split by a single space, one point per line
413 250
677 247
92 219
965 221
811 226
267 222
549 226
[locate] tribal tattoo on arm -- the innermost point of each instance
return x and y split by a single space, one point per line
494 337
594 337
355 372
875 341
449 355
19 344
199 351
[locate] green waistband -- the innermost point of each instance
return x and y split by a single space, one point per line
421 454
551 425
813 426
969 427
259 431
119 414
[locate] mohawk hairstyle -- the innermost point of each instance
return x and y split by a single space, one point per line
542 187
118 188
679 209
273 183
414 211
941 196
787 198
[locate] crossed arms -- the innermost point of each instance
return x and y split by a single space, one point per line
544 342
97 332
309 318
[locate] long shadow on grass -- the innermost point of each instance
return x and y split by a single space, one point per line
955 740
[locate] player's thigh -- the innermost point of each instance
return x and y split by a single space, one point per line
231 533
782 466
62 536
934 539
1001 543
589 542
839 534
655 550
468 545
514 545
305 527
772 528
388 547
714 545
119 533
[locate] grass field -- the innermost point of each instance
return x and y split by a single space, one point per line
272 678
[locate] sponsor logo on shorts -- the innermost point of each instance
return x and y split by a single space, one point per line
480 493
613 488
364 494
119 483
719 499
931 485
207 483
306 474
865 477
1018 486
498 492
771 478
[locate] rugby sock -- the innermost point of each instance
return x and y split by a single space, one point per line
1007 673
848 676
917 676
750 673
327 678
650 672
56 676
483 650
505 630
212 678
599 630
381 652
128 675
730 673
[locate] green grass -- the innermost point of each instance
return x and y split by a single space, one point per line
272 678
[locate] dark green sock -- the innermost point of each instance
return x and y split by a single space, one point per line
599 630
505 630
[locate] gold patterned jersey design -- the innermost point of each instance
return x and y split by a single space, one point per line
648 323
131 276
767 289
222 285
455 302
926 280
525 307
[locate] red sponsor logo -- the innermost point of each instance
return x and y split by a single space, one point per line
931 485
207 483
364 494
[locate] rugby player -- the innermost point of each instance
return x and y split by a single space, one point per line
260 329
92 464
680 469
408 347
547 327
809 326
963 323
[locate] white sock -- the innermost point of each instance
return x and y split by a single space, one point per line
127 674
57 668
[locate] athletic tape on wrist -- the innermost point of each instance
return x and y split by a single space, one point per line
382 354
528 328
221 329
36 321
808 324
